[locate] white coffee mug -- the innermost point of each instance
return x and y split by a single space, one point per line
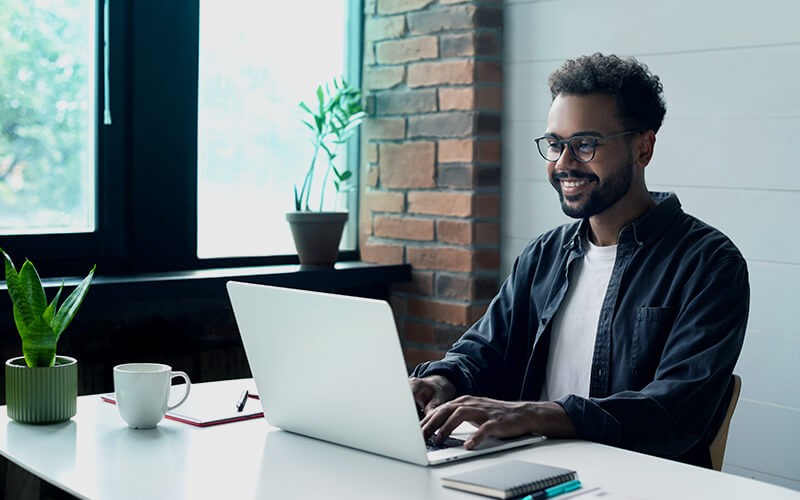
142 391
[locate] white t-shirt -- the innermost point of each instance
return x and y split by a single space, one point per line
574 329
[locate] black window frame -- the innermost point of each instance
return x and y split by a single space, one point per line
147 157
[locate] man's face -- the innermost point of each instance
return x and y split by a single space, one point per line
587 189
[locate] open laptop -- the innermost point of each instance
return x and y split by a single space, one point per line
331 367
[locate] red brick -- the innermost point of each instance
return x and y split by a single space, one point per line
399 306
477 311
406 50
486 71
406 102
384 128
403 228
447 19
421 284
414 356
456 176
489 151
452 313
371 153
396 6
419 333
440 73
372 176
452 124
465 286
382 254
487 259
487 205
489 98
459 45
487 233
385 201
369 53
442 258
384 77
456 98
456 150
380 28
440 203
459 232
469 44
408 165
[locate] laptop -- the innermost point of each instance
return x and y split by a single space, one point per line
331 367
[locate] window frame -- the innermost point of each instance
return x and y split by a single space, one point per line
147 157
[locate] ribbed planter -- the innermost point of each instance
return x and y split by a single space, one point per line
316 236
42 395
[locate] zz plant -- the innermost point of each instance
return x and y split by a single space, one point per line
40 324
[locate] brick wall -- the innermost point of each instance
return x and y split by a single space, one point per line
431 161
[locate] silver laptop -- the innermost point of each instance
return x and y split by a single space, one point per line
331 367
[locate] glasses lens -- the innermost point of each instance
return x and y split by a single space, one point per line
583 148
549 148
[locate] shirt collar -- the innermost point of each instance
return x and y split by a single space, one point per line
646 228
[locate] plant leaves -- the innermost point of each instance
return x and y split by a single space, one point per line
23 314
71 304
39 344
50 312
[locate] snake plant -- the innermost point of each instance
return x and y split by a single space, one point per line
40 324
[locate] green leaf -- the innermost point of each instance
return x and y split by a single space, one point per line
306 108
297 204
50 312
345 175
39 345
70 307
24 314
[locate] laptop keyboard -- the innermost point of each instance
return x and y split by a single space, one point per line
448 443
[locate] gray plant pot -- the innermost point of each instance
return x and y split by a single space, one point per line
42 395
316 236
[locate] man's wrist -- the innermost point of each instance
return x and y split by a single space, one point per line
551 419
446 389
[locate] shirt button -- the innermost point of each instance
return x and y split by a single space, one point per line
599 372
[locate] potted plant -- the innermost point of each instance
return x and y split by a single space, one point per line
41 387
332 120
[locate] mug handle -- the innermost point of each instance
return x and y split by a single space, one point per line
188 386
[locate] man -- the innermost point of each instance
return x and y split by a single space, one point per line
622 328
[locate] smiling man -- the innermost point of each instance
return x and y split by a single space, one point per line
623 327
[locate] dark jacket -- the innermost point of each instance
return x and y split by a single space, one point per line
670 331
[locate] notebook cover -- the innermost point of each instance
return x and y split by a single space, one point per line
209 404
509 479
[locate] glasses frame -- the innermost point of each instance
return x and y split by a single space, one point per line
568 143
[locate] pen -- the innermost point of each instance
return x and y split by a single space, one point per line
555 490
242 400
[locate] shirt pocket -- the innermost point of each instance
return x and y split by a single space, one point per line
650 331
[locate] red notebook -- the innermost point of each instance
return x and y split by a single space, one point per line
210 404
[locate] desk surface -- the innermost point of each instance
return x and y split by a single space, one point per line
95 455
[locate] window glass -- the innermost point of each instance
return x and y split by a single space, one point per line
47 116
257 62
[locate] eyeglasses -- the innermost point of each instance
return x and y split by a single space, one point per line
581 147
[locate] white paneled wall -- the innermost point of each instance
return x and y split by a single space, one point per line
728 147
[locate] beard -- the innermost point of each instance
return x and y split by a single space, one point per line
602 197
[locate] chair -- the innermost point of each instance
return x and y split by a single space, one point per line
717 447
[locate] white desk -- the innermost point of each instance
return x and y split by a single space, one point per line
96 456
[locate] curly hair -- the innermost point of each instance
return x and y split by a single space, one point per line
638 93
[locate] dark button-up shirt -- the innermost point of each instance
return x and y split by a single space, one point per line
670 331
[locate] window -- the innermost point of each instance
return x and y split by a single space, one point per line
145 195
252 147
47 116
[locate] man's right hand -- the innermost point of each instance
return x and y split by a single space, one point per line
430 392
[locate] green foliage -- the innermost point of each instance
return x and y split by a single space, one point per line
333 119
40 324
43 110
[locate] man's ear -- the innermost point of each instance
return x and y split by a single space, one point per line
644 148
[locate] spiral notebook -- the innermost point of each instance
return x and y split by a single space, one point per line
509 479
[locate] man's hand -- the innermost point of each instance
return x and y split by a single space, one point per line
494 418
430 392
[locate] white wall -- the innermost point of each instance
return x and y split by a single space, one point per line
729 147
